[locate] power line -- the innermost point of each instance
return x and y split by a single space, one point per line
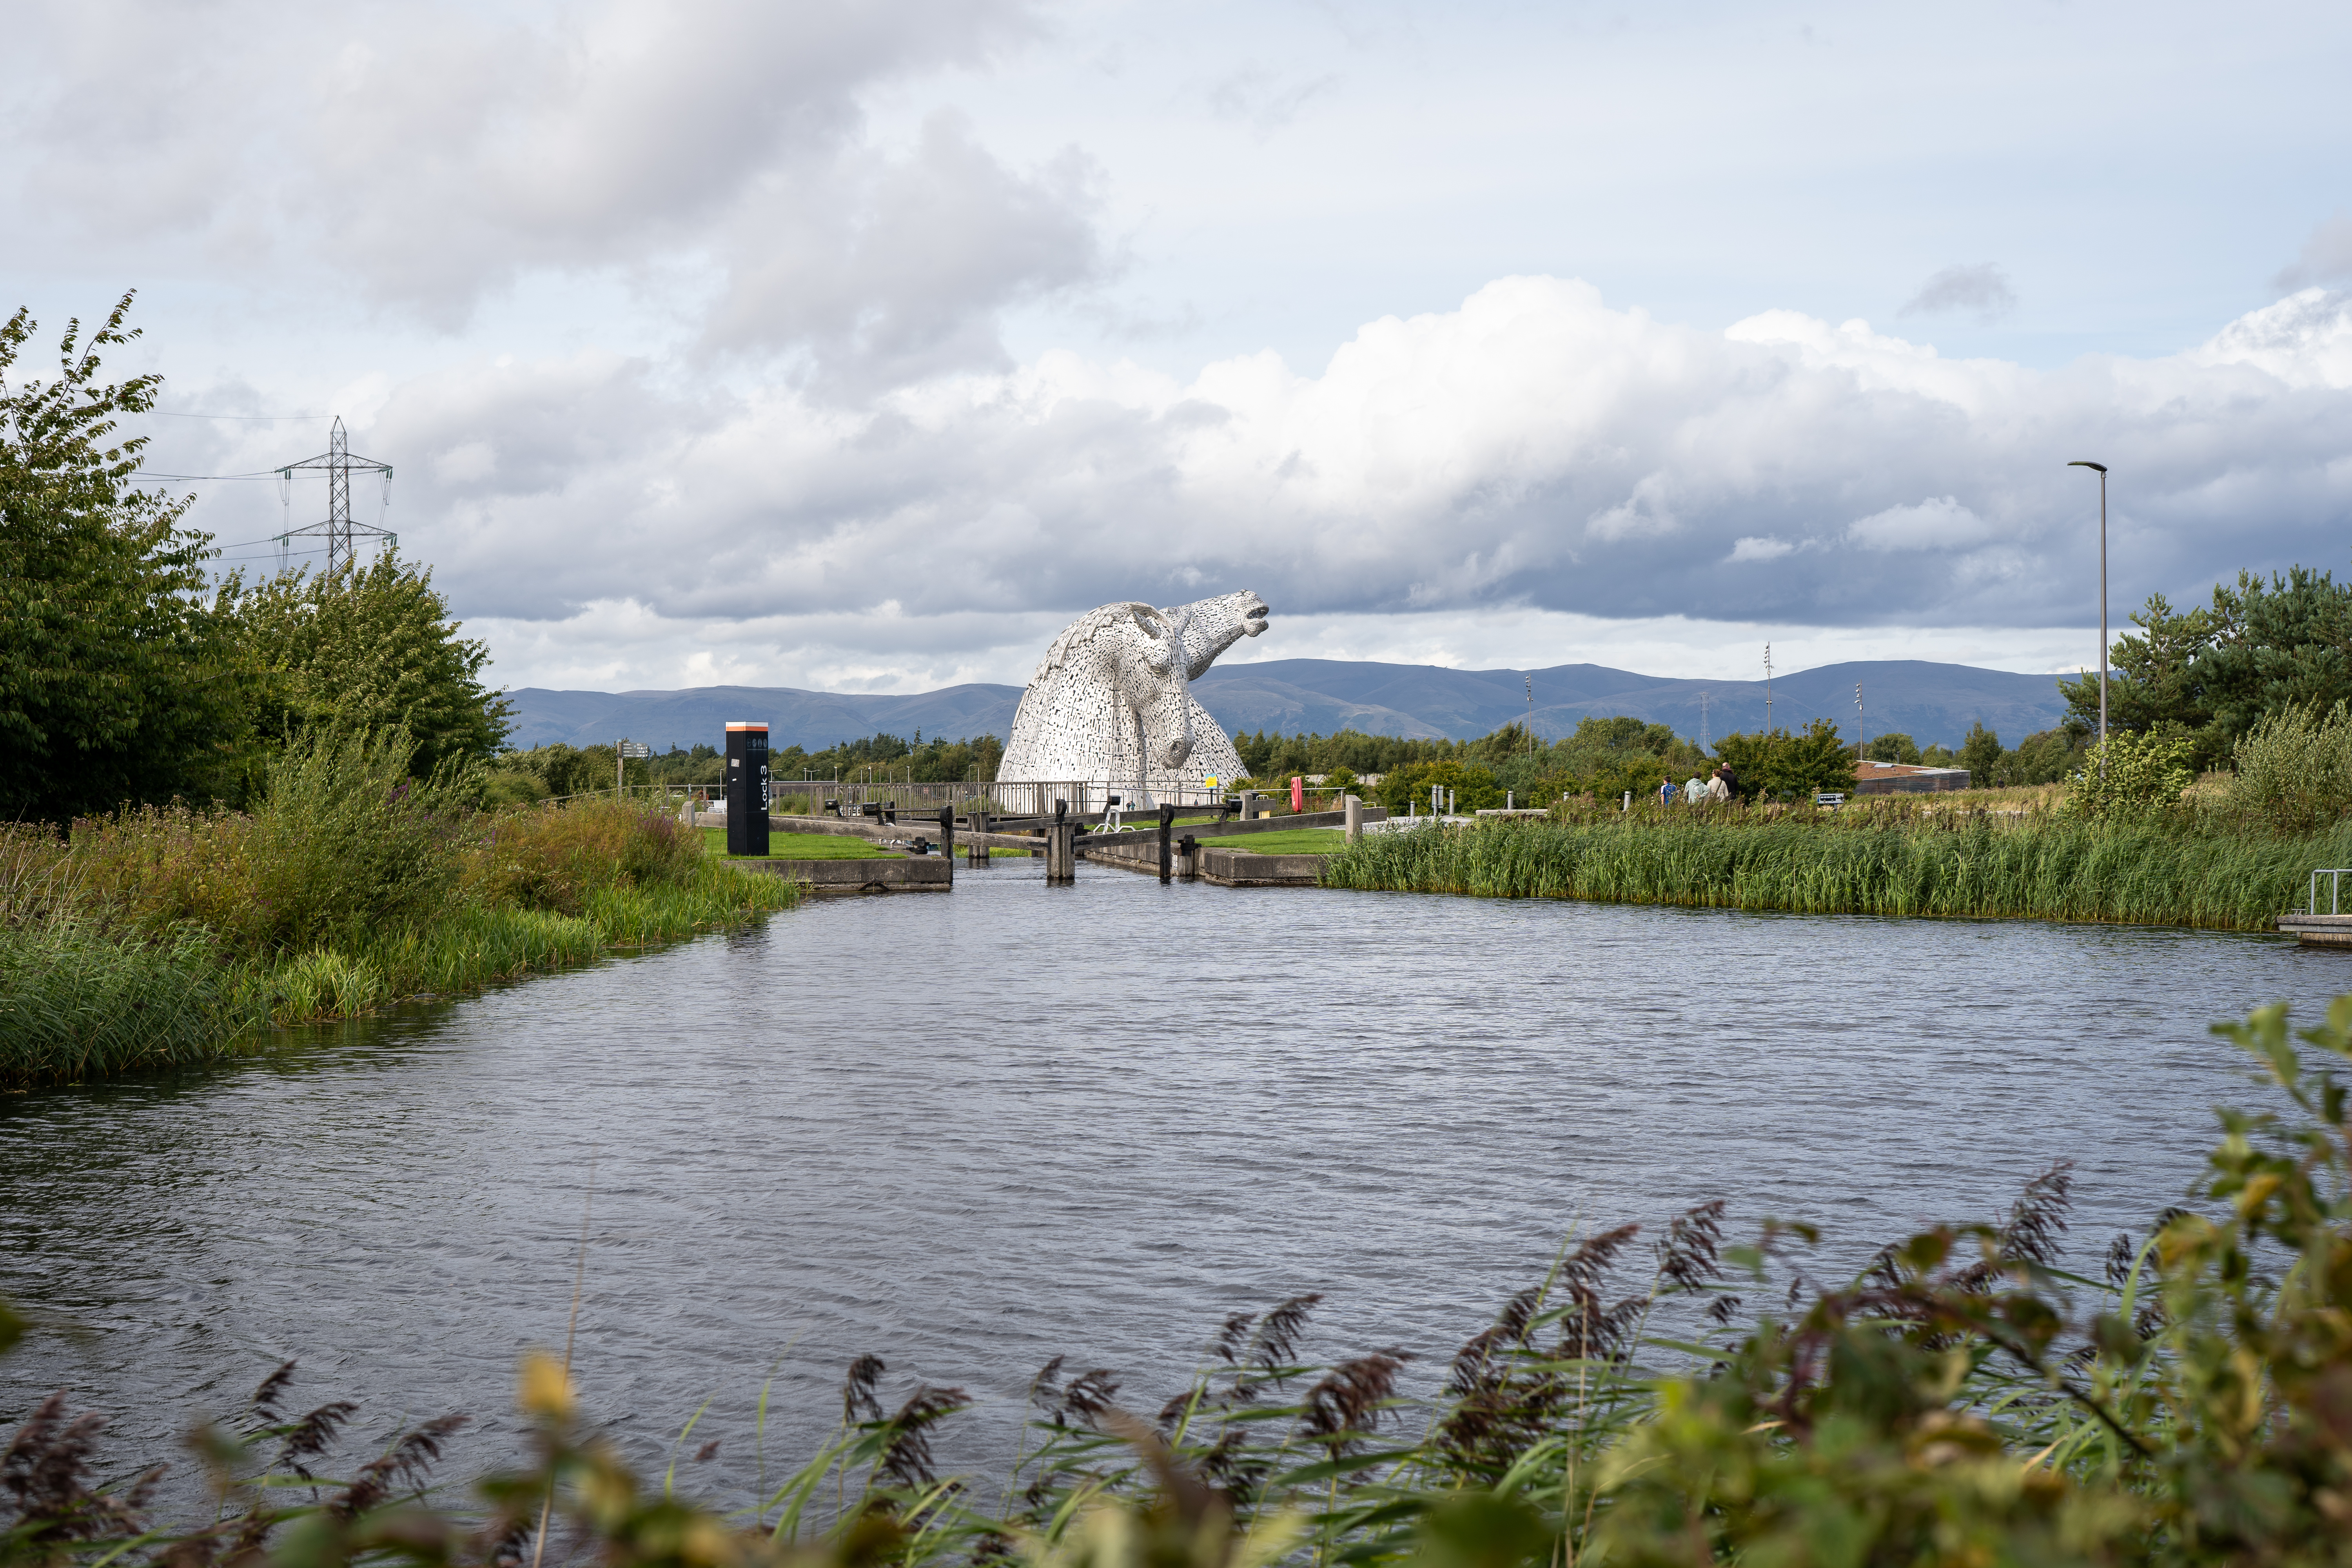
161 414
148 474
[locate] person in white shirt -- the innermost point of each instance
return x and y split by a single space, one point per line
1694 790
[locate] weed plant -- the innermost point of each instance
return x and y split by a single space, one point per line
1966 1400
1887 858
169 935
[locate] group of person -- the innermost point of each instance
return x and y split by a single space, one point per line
1721 789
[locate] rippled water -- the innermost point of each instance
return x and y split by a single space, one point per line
970 1132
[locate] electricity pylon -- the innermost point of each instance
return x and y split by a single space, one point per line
338 527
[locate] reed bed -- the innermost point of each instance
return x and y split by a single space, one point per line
2035 866
1654 1398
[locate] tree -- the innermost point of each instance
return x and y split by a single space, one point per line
1895 746
1474 788
364 648
1781 766
116 684
2211 674
1981 754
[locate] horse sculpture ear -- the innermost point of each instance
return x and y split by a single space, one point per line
1154 624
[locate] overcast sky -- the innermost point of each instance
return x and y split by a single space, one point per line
858 345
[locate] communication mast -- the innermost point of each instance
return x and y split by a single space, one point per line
338 527
1768 688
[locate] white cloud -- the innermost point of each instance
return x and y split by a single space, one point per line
1941 523
1533 447
2304 341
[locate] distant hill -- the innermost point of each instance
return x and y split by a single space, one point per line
1931 703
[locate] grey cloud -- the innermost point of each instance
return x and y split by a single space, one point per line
2327 258
1982 288
435 155
900 275
1534 447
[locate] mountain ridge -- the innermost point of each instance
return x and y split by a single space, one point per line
1931 703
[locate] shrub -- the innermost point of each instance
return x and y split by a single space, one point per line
2130 777
539 859
2293 769
344 842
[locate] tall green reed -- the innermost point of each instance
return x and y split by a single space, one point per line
1961 865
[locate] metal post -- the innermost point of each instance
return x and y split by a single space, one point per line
1167 826
2103 621
2102 469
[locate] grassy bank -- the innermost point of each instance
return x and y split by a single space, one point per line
162 937
803 847
1662 1397
2037 865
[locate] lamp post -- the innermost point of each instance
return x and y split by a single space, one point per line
2102 469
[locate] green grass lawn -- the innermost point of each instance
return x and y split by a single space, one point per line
1295 841
806 846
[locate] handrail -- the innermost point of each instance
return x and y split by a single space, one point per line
2335 874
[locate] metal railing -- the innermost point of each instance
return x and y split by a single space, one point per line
1021 797
2335 874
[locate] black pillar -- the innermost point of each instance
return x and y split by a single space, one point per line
747 789
1167 826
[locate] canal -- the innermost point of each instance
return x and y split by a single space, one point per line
971 1133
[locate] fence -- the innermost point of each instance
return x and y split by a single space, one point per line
1034 797
1026 798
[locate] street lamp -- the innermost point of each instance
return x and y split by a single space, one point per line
2102 467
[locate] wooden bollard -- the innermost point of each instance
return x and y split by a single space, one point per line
946 838
1167 827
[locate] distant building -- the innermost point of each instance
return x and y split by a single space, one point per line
1903 778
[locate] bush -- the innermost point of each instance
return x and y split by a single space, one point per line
344 842
2130 777
531 859
2293 769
